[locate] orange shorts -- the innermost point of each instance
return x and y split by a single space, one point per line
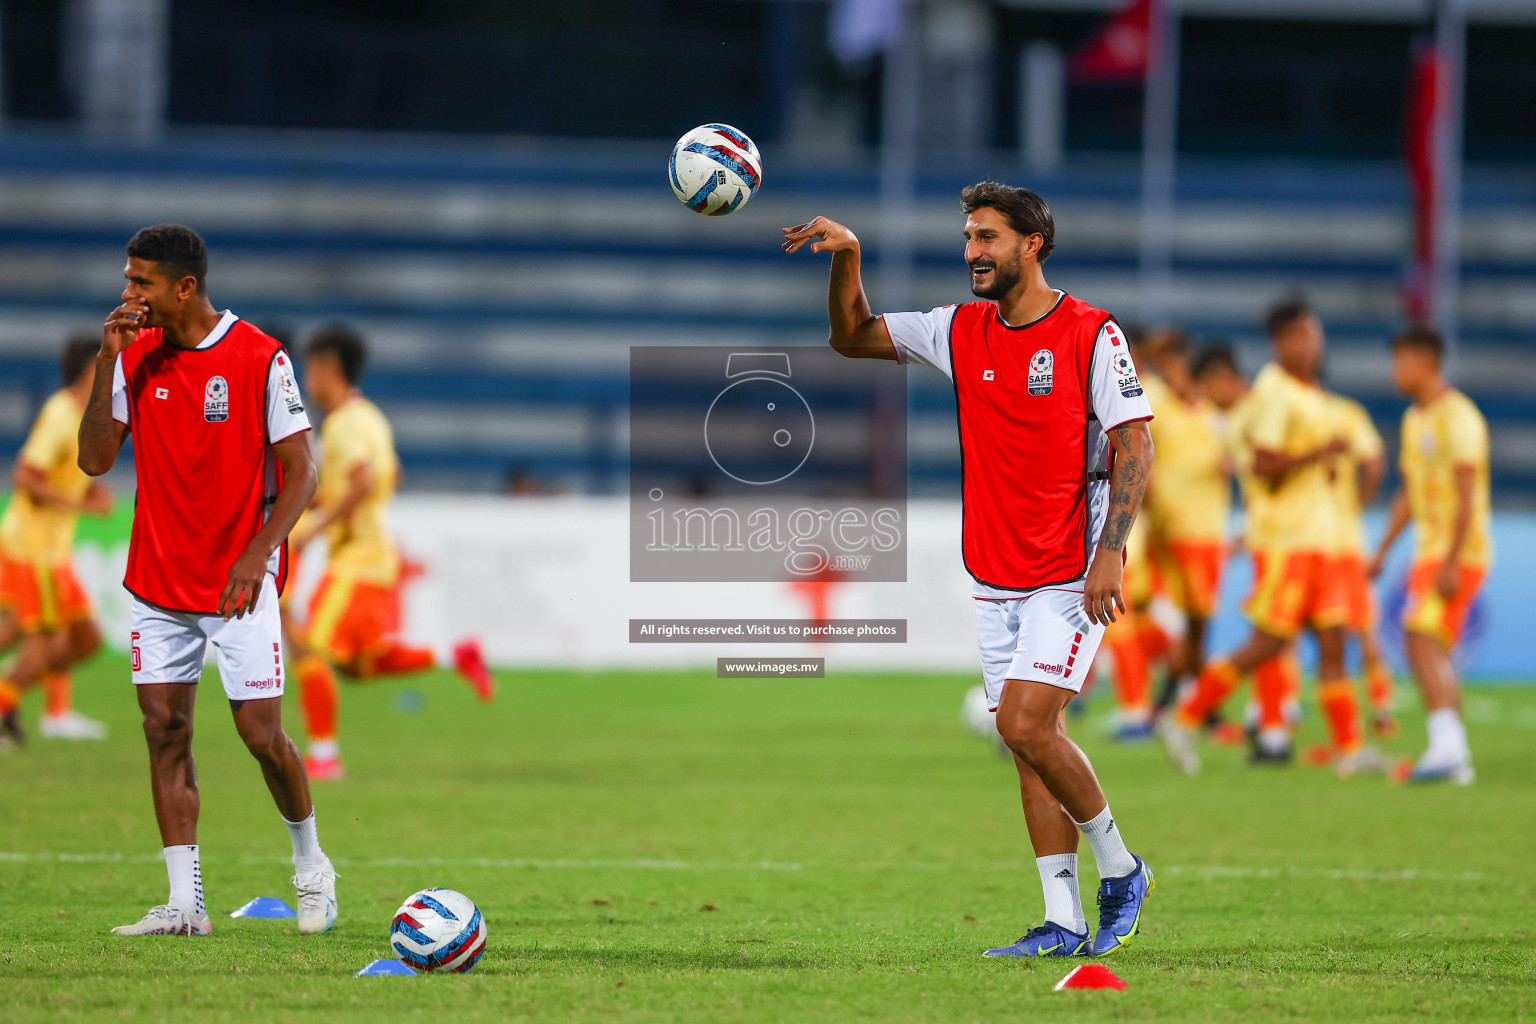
348 617
44 597
1359 599
1194 575
1429 612
1292 589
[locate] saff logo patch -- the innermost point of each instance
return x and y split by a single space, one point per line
216 400
1125 375
1042 371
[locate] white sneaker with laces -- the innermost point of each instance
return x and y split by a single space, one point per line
72 725
166 920
317 898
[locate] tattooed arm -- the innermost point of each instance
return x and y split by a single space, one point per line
1133 462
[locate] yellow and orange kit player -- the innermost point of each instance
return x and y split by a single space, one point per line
1295 442
1358 473
1135 641
1446 485
352 616
1276 682
42 604
1189 499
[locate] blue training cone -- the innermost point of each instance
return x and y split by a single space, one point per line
384 968
265 906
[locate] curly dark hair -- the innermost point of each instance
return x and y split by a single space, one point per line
1026 212
176 247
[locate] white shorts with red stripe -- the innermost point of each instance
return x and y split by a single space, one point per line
1045 637
170 647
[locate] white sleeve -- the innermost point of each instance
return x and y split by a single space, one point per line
922 337
285 407
119 391
1114 388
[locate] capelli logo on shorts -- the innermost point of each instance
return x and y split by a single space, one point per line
263 684
1055 669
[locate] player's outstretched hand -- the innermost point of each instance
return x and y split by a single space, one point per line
829 234
1101 590
244 586
122 327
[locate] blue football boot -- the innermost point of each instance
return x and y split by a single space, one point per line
1046 940
1120 901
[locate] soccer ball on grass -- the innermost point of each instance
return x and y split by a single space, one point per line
438 930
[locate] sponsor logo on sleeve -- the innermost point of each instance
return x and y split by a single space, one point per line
1125 375
216 400
988 375
1041 372
289 388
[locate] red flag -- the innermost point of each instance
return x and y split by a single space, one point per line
1423 179
1118 50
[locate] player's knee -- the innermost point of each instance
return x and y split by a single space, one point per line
167 731
85 641
1027 736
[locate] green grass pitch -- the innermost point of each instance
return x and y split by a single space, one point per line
659 847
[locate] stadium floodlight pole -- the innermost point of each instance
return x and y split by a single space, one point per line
1451 49
898 161
1159 141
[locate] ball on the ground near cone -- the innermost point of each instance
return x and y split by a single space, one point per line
1090 976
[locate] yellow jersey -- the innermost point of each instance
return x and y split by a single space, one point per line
356 433
1254 492
1365 444
1292 417
37 533
1438 437
1190 497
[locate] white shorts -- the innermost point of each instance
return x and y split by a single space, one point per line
170 647
1045 637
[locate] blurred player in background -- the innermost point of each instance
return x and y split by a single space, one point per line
353 616
1445 494
1046 390
1355 481
1189 499
1135 641
42 605
1276 682
1296 442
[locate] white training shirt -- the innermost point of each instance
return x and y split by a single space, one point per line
285 412
1115 396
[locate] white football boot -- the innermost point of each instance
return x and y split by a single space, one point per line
71 725
1180 744
167 920
317 898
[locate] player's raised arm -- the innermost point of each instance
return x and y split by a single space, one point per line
856 332
101 436
1102 595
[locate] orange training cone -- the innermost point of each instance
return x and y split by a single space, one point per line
1090 976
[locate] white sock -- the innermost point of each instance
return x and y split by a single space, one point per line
1447 735
1063 901
324 750
1109 851
186 873
306 843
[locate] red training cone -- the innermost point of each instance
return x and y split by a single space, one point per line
1090 976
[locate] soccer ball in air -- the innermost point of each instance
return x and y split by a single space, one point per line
715 169
438 930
